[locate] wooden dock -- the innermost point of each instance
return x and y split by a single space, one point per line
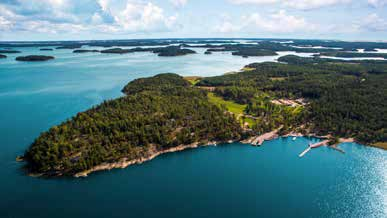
312 146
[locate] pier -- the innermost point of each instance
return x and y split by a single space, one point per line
312 146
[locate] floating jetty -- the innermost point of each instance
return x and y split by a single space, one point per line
312 146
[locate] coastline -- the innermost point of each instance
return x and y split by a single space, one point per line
123 163
257 140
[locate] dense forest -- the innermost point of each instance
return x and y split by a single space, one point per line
354 55
3 56
157 113
347 99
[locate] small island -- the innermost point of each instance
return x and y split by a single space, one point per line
116 51
75 46
3 56
9 51
85 51
34 58
171 51
46 49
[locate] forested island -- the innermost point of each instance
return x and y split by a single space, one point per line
340 100
168 51
308 96
85 51
354 55
46 49
34 58
3 56
9 51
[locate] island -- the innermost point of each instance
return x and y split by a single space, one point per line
116 51
9 51
46 49
354 55
85 51
34 58
75 46
298 97
3 56
169 51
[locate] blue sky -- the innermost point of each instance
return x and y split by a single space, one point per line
126 19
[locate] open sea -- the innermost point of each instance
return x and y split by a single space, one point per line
232 180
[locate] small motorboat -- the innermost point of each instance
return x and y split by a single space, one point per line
294 138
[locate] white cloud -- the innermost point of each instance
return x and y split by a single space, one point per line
139 17
313 4
258 2
179 3
374 22
5 24
57 16
227 27
377 3
279 22
297 4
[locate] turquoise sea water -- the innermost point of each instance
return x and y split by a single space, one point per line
225 181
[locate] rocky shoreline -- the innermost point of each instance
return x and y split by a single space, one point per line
123 163
254 141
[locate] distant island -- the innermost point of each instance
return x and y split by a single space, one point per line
303 96
3 56
34 58
71 46
85 51
9 51
161 51
46 49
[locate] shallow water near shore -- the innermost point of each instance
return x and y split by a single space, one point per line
232 180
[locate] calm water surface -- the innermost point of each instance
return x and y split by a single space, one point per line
226 181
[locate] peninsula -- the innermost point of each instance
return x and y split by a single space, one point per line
131 129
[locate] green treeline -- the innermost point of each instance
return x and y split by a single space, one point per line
158 113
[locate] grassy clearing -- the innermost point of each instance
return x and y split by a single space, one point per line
248 69
235 108
231 106
277 78
193 79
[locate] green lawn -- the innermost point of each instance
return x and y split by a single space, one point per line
231 106
235 108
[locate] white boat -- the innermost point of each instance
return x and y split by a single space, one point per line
294 138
